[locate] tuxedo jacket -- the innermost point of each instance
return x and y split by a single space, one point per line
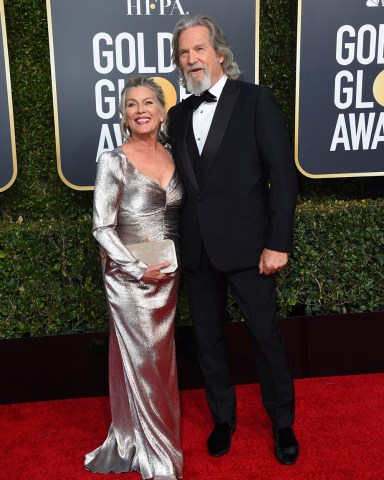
244 197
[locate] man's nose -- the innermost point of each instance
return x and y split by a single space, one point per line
192 57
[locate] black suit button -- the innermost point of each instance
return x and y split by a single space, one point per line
199 198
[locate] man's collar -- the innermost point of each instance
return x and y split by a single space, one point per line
218 87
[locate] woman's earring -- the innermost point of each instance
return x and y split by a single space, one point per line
127 133
161 134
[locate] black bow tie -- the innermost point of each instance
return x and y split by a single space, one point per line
197 100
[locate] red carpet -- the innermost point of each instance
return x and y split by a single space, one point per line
340 426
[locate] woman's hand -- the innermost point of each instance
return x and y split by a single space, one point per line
154 274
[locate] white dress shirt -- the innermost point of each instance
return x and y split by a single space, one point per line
202 116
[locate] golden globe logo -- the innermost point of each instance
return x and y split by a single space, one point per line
169 91
159 7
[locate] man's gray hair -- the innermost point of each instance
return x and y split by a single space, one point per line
218 42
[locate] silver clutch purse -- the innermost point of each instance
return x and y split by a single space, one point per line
155 252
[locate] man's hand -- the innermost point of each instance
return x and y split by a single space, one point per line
272 261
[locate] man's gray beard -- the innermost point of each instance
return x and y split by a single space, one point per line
198 87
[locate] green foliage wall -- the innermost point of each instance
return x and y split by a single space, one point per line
49 270
338 261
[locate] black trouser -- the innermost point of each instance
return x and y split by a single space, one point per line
256 298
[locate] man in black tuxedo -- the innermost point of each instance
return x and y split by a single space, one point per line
231 148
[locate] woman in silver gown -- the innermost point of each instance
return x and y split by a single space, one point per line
137 197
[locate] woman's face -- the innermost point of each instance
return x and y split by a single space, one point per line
143 114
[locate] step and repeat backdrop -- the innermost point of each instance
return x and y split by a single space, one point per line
8 165
340 88
96 45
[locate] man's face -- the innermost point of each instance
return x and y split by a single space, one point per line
200 64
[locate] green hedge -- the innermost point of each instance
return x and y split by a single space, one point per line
49 268
51 279
338 261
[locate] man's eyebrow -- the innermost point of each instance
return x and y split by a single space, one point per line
193 47
203 44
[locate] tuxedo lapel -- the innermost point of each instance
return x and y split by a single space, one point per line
219 124
186 160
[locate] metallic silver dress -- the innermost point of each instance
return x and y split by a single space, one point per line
144 434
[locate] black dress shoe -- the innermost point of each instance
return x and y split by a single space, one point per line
219 441
286 446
